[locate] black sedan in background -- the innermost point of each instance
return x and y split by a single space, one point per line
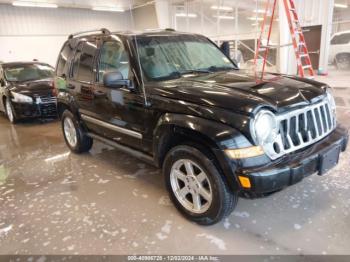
26 90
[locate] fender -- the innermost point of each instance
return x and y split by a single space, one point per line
64 99
214 135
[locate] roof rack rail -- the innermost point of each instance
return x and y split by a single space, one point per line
102 30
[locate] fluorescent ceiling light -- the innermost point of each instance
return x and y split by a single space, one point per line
223 8
253 18
259 11
190 15
340 5
107 9
255 24
224 17
34 4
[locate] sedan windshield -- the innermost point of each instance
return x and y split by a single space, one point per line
28 72
170 57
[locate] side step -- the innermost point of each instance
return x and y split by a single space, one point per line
142 156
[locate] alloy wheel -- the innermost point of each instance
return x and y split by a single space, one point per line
70 132
191 186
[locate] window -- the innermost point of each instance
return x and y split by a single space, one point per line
84 61
342 39
113 58
66 52
28 72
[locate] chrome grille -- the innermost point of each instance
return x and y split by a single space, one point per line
46 99
301 127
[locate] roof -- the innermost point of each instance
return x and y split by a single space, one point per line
103 31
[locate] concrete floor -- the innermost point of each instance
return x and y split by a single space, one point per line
106 202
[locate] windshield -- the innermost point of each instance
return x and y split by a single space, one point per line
21 73
169 57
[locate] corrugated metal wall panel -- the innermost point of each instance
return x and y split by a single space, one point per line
19 21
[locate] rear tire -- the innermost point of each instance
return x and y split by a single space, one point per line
9 111
201 194
74 135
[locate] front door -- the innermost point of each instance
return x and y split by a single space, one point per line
117 111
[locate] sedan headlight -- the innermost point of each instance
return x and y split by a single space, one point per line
264 127
19 98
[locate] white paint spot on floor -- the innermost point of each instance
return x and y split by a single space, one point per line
113 234
8 192
297 226
214 240
167 227
164 201
101 181
241 214
66 238
227 223
5 230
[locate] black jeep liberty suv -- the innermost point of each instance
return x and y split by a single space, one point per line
176 101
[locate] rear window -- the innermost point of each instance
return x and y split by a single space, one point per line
66 52
84 61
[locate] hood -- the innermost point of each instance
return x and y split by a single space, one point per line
33 88
239 91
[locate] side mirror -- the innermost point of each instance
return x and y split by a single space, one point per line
115 79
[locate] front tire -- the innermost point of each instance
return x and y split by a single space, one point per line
196 186
74 135
9 111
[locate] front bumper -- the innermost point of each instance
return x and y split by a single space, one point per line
47 110
294 167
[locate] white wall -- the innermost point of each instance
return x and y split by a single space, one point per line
28 33
145 18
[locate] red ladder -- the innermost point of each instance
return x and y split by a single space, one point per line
298 40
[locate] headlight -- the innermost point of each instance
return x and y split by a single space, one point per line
331 100
264 127
19 98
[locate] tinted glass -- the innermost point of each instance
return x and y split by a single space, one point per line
28 72
113 58
165 57
66 52
84 61
342 39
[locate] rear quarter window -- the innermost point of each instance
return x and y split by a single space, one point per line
65 54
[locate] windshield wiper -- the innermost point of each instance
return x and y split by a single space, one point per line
193 71
172 75
220 68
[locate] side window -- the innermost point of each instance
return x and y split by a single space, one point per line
346 39
335 40
341 39
84 61
66 52
113 57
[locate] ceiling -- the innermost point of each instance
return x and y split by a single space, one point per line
124 4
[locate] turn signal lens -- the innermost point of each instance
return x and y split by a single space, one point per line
245 152
245 182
